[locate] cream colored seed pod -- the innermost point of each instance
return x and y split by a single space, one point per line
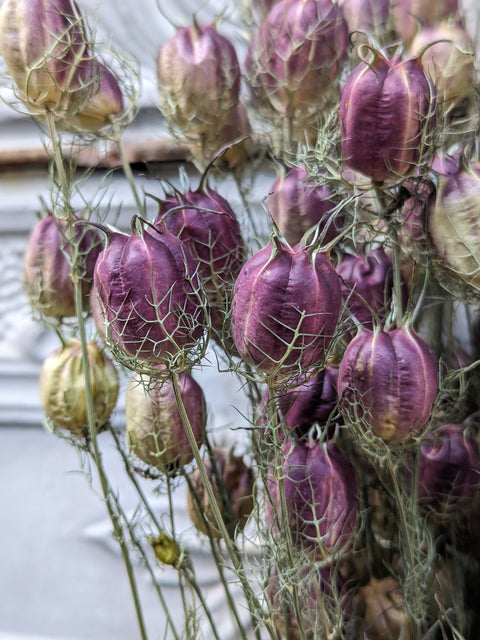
63 390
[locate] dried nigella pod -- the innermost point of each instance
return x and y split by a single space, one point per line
199 81
388 383
449 60
380 605
320 497
297 203
410 15
453 221
63 391
206 223
387 113
294 58
285 308
47 264
149 297
155 429
233 486
448 469
369 16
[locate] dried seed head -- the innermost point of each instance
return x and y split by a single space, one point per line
63 390
320 494
387 383
155 429
285 309
410 15
387 115
294 58
199 81
370 16
47 265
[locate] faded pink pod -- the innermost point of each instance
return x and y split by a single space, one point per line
199 81
410 15
367 285
369 16
285 308
156 432
297 203
149 296
294 57
453 219
388 383
449 60
448 469
47 264
103 98
320 497
387 113
232 482
42 42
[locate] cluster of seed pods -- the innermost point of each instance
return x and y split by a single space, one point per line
343 374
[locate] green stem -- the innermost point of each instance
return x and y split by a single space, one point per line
127 170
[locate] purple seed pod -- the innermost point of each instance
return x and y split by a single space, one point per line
296 203
199 81
387 114
320 496
41 42
47 265
367 284
453 223
103 97
382 612
155 429
322 596
369 16
388 383
294 58
304 405
149 295
410 15
63 389
232 482
285 308
448 469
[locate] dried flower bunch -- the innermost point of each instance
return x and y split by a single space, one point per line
339 309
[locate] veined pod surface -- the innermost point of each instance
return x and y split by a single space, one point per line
387 114
155 430
297 203
63 391
320 495
149 295
453 219
47 264
285 308
199 80
388 383
369 16
295 56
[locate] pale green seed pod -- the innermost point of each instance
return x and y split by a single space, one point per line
63 393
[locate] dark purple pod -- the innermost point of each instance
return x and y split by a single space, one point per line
320 496
448 469
209 227
155 429
285 308
47 265
294 57
149 295
297 203
233 487
367 284
388 383
199 80
387 113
